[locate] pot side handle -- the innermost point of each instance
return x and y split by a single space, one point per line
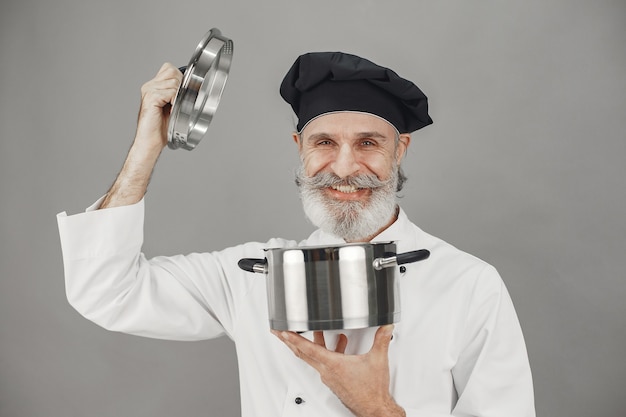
253 265
413 256
401 258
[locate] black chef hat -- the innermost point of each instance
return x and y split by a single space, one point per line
323 82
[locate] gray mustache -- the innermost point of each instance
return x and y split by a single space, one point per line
328 179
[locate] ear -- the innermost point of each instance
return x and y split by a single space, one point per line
297 139
404 140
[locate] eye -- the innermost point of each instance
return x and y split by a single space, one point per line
367 142
324 142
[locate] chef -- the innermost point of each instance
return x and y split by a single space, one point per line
458 350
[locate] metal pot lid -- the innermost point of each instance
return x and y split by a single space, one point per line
200 91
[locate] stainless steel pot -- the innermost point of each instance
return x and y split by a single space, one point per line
332 287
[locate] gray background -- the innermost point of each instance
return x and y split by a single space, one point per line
524 167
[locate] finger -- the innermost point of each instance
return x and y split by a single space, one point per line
158 98
168 75
306 350
167 67
342 343
160 91
168 85
287 339
318 338
382 339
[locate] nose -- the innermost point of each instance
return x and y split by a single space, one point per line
345 162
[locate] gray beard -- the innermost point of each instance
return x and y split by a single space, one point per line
350 220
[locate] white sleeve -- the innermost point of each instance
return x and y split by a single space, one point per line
109 281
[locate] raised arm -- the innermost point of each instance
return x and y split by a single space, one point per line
150 139
107 278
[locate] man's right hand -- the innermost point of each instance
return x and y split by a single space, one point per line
150 139
156 98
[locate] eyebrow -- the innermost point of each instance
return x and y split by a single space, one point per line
373 135
360 135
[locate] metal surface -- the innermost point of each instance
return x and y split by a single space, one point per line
381 263
329 287
200 91
403 258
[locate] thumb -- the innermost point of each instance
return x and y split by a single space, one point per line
382 339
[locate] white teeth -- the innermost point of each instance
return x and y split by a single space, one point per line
345 188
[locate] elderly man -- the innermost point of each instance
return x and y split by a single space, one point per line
458 349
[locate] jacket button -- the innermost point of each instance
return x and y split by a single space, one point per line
402 269
299 400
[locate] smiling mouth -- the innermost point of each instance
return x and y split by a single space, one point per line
346 189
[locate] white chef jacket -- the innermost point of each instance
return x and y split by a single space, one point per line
458 349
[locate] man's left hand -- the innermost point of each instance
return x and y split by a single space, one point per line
361 382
